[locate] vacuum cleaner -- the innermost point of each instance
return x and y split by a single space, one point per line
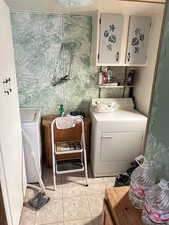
41 198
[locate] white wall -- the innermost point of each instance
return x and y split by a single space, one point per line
145 75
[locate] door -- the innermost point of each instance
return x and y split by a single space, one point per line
138 37
12 171
121 146
111 26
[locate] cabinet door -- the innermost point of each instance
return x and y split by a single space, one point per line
110 38
139 28
12 170
121 146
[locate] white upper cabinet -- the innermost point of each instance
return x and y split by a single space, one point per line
111 27
120 40
139 28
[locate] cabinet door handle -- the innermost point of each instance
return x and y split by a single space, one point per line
117 56
128 57
106 136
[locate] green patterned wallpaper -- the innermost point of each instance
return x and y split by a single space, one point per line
157 146
44 45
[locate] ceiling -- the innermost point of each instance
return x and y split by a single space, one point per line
101 5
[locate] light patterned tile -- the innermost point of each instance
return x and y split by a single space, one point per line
96 180
54 194
53 224
77 222
30 193
96 188
74 191
76 208
96 205
80 222
52 212
28 216
98 185
100 179
110 180
109 184
72 179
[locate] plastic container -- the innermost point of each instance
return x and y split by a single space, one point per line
130 79
105 77
100 81
156 206
142 178
61 110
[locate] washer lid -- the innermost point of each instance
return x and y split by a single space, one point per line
29 115
119 115
120 120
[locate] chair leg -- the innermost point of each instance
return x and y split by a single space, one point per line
85 165
53 155
54 181
54 174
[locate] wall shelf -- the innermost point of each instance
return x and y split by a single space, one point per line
112 86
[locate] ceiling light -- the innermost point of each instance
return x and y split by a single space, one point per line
75 3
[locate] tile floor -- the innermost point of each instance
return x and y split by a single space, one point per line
71 204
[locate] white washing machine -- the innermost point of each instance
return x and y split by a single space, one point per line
30 120
117 136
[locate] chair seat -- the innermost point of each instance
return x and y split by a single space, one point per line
67 147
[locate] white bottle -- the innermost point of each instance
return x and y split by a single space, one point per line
100 78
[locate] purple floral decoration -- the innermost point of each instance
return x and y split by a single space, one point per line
110 36
136 41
